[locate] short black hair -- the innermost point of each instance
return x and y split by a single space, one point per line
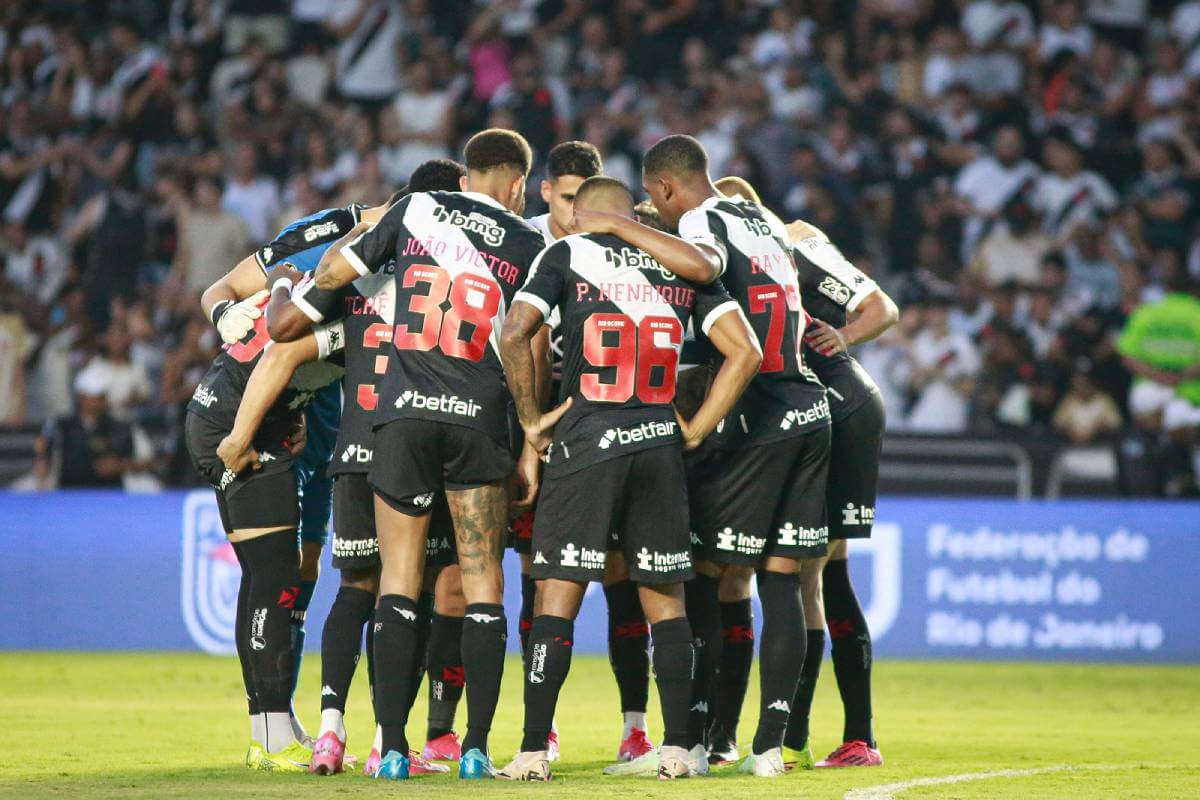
437 175
602 183
678 154
497 147
580 159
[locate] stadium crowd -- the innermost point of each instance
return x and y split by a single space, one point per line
1021 176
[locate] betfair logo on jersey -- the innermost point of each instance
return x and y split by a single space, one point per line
358 454
474 222
835 290
314 232
795 417
858 515
204 396
645 432
738 542
438 402
632 258
791 535
663 562
572 556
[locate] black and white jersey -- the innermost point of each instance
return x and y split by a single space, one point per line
542 223
624 317
459 259
366 309
304 241
220 391
831 287
785 399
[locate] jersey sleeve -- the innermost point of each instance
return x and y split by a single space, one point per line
712 302
698 226
319 304
321 229
1129 343
373 248
544 287
331 338
842 282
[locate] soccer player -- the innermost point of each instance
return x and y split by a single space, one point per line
366 310
441 420
567 166
757 492
614 461
260 519
847 307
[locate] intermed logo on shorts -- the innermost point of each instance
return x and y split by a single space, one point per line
210 576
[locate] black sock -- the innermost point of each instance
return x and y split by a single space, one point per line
341 643
424 625
797 732
733 675
851 642
674 662
299 611
781 655
547 662
371 654
485 631
704 619
274 581
445 674
241 638
628 645
395 654
528 592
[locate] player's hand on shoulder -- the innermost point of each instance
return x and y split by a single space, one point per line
540 434
824 338
588 221
233 320
284 269
237 455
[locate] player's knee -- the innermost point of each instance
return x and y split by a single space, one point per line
560 598
661 601
616 569
735 584
365 579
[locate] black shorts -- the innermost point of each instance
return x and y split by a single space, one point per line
263 498
761 501
440 549
355 545
416 460
640 499
854 471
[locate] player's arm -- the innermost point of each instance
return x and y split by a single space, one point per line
697 263
875 314
362 250
297 304
231 302
730 333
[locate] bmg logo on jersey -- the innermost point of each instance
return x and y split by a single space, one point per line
438 402
210 576
357 454
475 222
645 432
631 258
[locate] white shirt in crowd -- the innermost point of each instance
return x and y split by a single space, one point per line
941 408
368 64
39 269
1078 40
987 185
128 384
257 203
996 21
1064 202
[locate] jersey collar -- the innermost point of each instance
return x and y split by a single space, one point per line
485 198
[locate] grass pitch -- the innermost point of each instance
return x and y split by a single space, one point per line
173 726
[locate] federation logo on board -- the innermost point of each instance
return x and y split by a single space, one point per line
210 576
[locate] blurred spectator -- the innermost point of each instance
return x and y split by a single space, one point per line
1012 251
127 384
88 449
211 239
416 127
944 365
250 195
15 346
1069 194
1086 414
368 59
34 264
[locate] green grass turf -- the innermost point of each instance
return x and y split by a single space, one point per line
172 726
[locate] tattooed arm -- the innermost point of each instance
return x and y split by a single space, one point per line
523 321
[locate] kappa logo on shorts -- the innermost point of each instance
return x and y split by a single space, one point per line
358 454
438 402
645 432
663 562
858 515
407 613
572 556
263 458
423 500
795 417
210 575
740 542
789 534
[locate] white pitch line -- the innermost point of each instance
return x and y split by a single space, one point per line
888 791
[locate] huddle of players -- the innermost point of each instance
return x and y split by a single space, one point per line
434 274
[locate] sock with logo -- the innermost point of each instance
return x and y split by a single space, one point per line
445 674
797 731
628 645
341 646
704 618
241 639
485 631
673 655
424 625
737 657
851 646
781 655
395 654
274 582
528 592
547 662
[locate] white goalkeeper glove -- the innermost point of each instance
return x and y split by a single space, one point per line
234 320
